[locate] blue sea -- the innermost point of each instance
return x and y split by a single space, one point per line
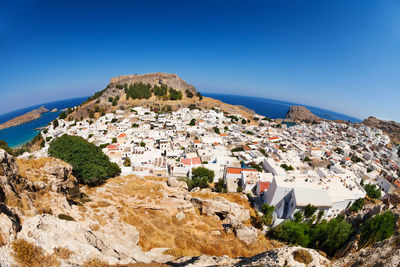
276 109
21 134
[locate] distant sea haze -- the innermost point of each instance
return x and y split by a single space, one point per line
22 134
276 109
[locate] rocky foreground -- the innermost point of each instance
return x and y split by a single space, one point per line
47 220
30 116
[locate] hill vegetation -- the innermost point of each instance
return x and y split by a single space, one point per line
89 163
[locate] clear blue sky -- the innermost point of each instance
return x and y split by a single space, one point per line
338 55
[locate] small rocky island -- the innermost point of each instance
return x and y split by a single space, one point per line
30 116
301 114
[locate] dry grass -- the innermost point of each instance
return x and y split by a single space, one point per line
156 178
32 169
95 263
2 240
27 254
22 202
141 203
190 236
62 253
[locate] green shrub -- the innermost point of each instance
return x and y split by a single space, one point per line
219 186
326 236
139 91
63 115
204 172
174 94
88 162
201 182
189 93
372 191
378 228
267 216
357 205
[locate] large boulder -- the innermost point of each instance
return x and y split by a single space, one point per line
225 210
173 182
248 234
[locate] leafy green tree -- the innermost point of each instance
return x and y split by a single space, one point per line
219 186
372 191
244 121
135 125
378 228
139 91
160 90
309 211
292 232
357 205
142 144
189 93
201 182
115 102
63 115
174 94
88 162
55 123
204 172
192 122
114 140
127 162
330 236
216 130
268 212
298 216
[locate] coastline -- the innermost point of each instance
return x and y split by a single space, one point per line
276 109
17 136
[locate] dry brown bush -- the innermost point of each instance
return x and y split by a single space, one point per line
2 240
62 253
27 254
302 256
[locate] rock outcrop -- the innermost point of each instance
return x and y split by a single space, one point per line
101 100
30 116
284 256
391 128
301 114
232 213
169 79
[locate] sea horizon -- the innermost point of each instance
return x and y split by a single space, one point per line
278 108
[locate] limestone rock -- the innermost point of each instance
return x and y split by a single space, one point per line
180 216
173 182
222 208
248 234
302 114
277 257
